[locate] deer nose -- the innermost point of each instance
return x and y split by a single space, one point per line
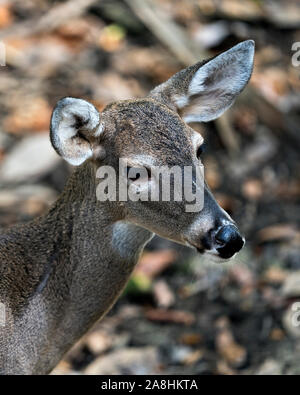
228 241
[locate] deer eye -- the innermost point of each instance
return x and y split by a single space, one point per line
200 150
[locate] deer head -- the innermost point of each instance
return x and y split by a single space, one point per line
154 131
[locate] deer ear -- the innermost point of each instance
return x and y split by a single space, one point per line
73 123
202 92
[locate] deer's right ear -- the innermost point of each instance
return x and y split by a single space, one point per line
202 92
74 123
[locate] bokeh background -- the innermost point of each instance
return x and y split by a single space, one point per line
179 313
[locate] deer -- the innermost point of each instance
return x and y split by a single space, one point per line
62 272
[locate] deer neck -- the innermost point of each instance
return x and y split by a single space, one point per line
74 262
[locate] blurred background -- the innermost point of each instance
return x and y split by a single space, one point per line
179 313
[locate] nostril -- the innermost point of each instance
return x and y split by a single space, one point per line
229 241
225 234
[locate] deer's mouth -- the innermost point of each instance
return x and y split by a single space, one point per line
212 254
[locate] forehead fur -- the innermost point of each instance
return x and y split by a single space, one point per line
147 127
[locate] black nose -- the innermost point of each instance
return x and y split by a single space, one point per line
228 241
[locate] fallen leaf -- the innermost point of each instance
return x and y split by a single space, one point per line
33 116
224 369
6 16
98 342
191 339
133 360
276 233
175 316
163 294
152 264
252 189
275 275
193 357
277 334
233 353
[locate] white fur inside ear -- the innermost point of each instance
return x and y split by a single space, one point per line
80 157
230 70
181 101
217 83
69 117
81 109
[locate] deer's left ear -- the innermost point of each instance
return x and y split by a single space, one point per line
75 123
202 92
